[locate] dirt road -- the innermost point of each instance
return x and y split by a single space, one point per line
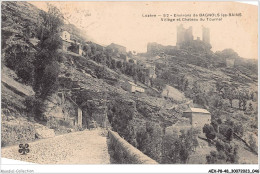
85 147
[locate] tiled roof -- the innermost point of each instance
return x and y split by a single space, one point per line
198 110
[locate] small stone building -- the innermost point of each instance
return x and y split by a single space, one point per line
66 43
198 116
132 87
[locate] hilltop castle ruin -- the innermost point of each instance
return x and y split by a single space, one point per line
185 35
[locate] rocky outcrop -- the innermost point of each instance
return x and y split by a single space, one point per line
18 87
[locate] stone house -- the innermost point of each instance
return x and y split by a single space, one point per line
198 117
132 87
67 42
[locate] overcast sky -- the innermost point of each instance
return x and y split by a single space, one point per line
122 23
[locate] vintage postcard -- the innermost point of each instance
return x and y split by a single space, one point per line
141 82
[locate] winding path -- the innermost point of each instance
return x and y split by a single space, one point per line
85 147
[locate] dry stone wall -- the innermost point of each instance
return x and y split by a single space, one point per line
125 153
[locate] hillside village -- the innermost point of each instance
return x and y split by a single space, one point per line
203 101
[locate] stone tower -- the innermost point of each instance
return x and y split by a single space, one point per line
188 36
183 35
205 35
180 34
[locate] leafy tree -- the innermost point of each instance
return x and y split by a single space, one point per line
226 153
131 61
17 52
73 48
230 94
219 121
50 79
212 158
209 131
178 149
198 95
47 57
229 134
227 131
220 86
149 140
217 101
158 83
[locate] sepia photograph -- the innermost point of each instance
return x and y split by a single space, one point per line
120 82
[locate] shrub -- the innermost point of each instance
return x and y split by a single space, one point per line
178 149
209 131
100 72
16 133
226 131
226 153
29 104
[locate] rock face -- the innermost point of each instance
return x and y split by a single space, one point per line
44 133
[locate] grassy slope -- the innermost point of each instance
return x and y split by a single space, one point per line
207 77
